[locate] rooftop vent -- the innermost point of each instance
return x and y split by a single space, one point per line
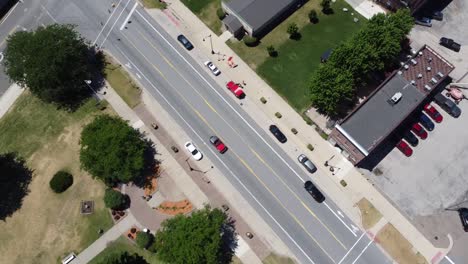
420 53
428 69
406 66
433 80
413 52
413 82
429 59
441 75
414 62
427 87
396 97
419 75
400 72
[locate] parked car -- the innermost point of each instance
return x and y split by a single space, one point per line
212 68
404 148
278 134
219 145
448 105
235 89
450 44
433 113
419 131
197 155
411 138
463 213
187 44
314 191
423 21
310 167
426 122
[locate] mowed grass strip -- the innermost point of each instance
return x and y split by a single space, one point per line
276 259
122 83
48 225
206 11
124 245
154 4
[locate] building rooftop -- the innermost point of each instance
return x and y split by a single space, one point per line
378 115
257 13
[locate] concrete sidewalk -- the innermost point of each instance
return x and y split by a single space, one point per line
9 98
345 197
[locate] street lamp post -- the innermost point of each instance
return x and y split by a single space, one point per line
211 43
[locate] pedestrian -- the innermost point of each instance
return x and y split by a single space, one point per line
118 39
113 4
244 83
102 23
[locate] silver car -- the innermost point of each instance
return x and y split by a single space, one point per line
310 167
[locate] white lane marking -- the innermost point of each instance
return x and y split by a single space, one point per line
340 213
449 260
47 12
341 220
362 252
9 13
103 27
349 251
115 22
215 155
354 228
1 56
227 103
129 15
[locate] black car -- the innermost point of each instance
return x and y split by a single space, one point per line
423 21
278 134
463 212
187 44
426 122
411 138
450 44
314 192
448 105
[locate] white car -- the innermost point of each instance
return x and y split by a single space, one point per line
197 155
212 68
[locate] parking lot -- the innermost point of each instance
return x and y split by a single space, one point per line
433 182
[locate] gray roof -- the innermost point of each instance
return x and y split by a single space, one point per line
257 13
377 118
232 23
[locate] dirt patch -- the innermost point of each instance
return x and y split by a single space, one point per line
50 225
398 247
369 214
174 208
149 190
276 259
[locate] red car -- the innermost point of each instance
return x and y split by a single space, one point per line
404 148
235 89
218 144
419 131
433 113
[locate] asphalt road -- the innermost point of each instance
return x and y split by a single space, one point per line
256 165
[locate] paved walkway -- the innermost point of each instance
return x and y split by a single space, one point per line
346 197
111 235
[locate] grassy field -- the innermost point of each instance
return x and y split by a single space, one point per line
154 4
49 225
275 259
122 244
206 11
122 83
289 73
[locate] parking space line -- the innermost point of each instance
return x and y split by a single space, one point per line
129 15
47 12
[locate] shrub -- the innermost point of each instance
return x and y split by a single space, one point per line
250 41
271 51
294 131
293 30
326 6
220 13
115 199
307 119
310 147
278 115
313 17
263 100
144 239
61 181
343 183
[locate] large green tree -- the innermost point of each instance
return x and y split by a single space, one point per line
112 151
52 61
123 258
14 183
115 200
206 236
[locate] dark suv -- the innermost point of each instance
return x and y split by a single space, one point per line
187 44
314 192
447 104
463 212
278 134
450 44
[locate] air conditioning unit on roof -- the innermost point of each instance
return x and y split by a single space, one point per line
396 97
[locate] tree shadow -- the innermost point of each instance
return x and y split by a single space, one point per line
15 178
229 241
328 11
151 166
296 36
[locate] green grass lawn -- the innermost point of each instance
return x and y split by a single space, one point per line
206 11
289 73
154 4
275 259
122 83
121 245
